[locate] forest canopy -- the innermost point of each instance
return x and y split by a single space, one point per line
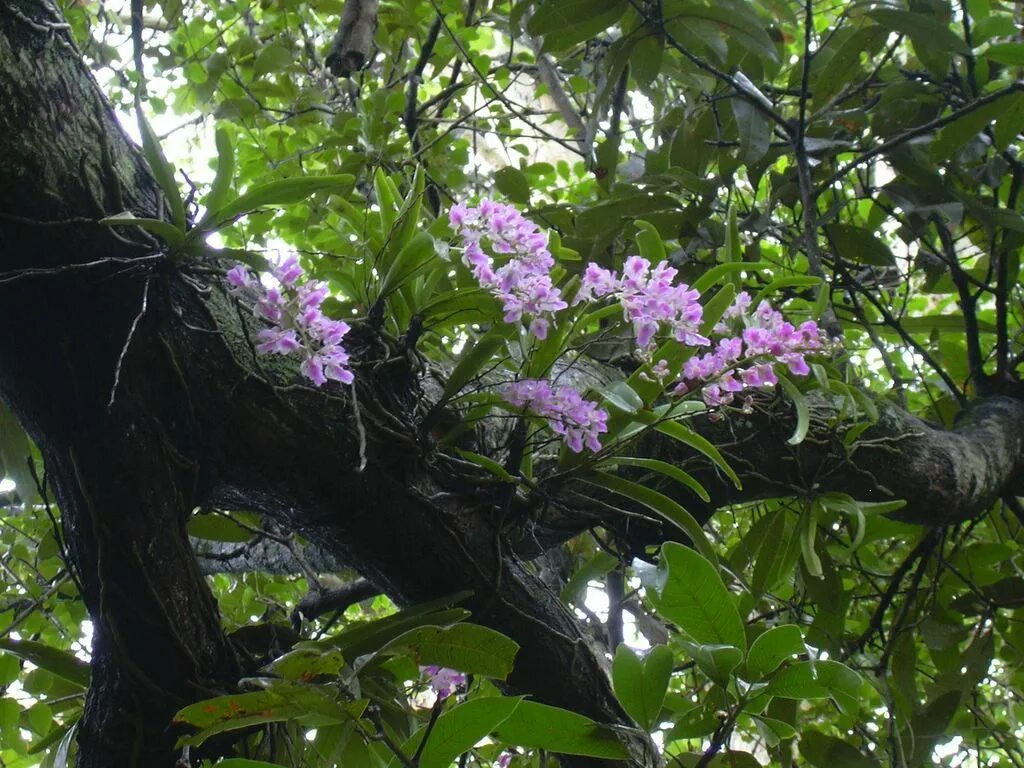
475 382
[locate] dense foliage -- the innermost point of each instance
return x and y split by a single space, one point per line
854 165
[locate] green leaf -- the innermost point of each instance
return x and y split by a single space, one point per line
961 131
487 463
926 32
808 534
169 233
359 639
695 598
273 58
564 23
818 680
217 528
513 184
598 565
641 683
241 762
772 648
468 648
1011 54
754 128
664 468
658 502
736 22
473 359
803 413
15 454
458 730
645 59
716 661
163 171
63 664
275 194
715 274
285 702
649 242
412 259
829 752
543 727
306 664
686 436
859 246
225 172
622 396
844 65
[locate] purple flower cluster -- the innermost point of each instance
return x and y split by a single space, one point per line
442 680
568 413
523 283
649 299
746 360
297 323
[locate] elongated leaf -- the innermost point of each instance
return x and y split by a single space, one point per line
686 436
360 639
275 194
658 502
715 274
169 233
459 729
416 256
163 171
601 563
803 414
649 242
755 131
468 648
63 664
669 470
472 360
641 682
858 245
695 598
558 730
922 28
225 172
15 453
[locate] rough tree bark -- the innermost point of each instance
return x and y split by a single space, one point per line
134 375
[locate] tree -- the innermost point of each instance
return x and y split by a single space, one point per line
854 164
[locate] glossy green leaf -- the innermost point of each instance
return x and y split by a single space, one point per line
696 600
658 502
772 648
163 171
818 680
64 664
642 681
469 648
171 234
459 729
275 194
560 731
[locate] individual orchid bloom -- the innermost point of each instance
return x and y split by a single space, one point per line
442 680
